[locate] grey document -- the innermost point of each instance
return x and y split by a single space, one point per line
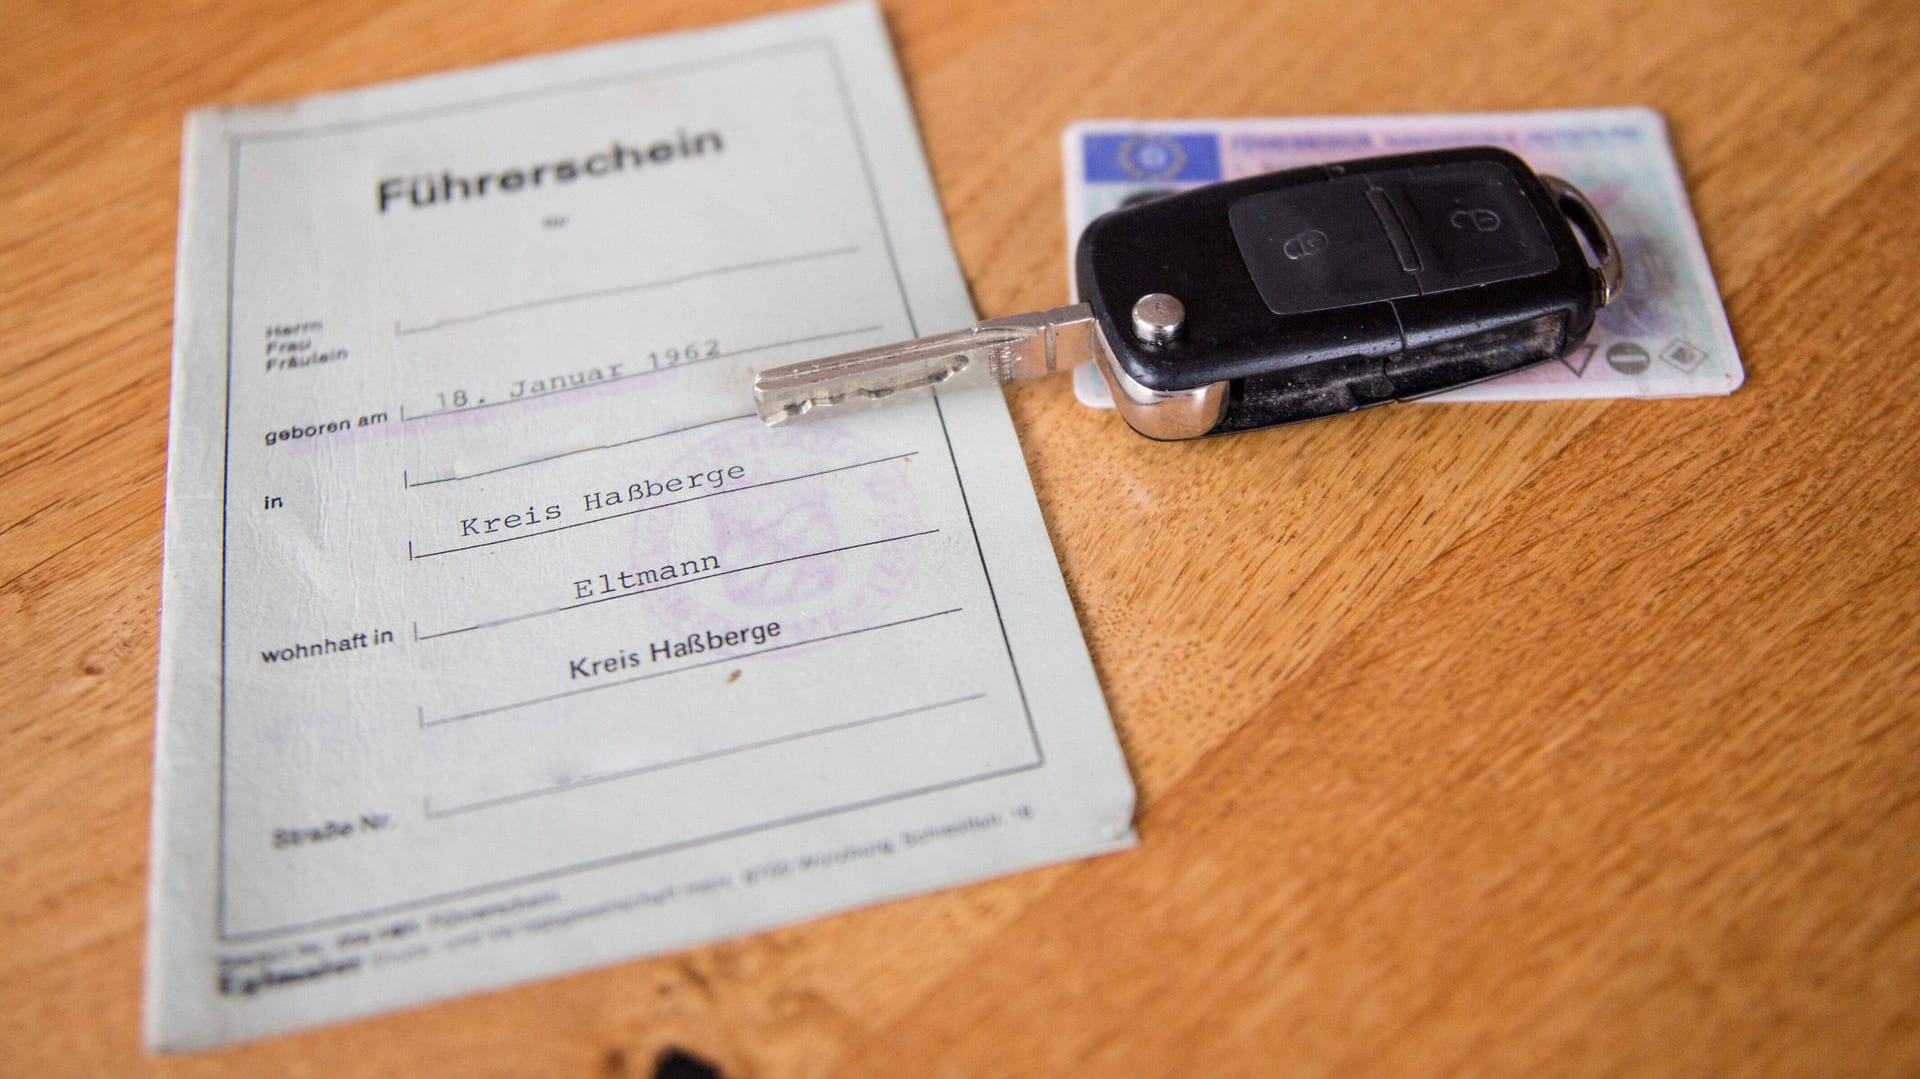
498 638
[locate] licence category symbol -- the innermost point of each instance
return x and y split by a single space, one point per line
1683 354
1152 157
1627 358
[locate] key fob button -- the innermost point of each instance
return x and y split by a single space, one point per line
1318 247
1321 290
1470 225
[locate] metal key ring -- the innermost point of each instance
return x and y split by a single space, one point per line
1583 216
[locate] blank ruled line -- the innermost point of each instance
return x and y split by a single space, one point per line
418 636
666 505
723 355
630 856
583 449
734 658
619 290
699 758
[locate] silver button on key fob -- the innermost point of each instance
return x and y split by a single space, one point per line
1279 298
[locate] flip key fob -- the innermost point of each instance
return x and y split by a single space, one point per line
1279 298
1321 290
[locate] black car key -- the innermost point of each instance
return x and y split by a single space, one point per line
1278 298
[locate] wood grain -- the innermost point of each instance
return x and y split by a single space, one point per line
1571 738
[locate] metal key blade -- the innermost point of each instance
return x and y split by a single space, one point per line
990 353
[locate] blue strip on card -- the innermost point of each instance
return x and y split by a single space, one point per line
1145 156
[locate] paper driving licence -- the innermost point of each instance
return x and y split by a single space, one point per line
499 639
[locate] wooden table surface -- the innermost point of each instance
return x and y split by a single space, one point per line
1530 739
